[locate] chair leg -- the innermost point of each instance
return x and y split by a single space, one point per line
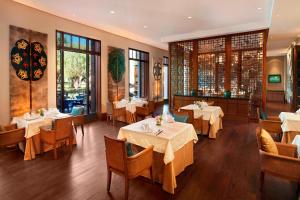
82 129
71 144
126 188
75 129
262 179
55 152
151 174
108 180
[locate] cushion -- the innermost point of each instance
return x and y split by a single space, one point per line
181 118
129 149
77 110
263 116
267 143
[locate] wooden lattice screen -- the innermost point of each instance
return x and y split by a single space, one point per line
181 68
211 66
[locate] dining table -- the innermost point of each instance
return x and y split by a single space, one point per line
32 124
173 147
290 126
130 107
212 118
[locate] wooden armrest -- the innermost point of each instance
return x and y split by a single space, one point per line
289 150
78 119
10 127
139 162
273 118
14 131
282 166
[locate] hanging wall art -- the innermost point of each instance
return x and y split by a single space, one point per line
116 70
28 71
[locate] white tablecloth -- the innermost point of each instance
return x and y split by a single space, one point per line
174 136
290 121
209 113
32 127
131 105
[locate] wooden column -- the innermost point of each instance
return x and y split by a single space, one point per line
195 66
227 80
264 68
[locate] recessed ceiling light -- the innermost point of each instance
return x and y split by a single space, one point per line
145 26
259 8
189 17
112 12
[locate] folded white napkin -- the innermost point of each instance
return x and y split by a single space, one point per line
298 111
26 116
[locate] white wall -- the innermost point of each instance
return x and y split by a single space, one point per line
12 13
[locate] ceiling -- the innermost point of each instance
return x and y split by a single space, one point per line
285 26
157 22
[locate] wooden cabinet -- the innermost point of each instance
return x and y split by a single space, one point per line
233 108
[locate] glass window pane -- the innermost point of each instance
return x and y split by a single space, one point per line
83 43
74 80
90 45
67 40
75 42
58 38
138 55
97 47
142 56
130 53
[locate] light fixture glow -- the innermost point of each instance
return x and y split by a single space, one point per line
145 26
189 17
112 12
259 8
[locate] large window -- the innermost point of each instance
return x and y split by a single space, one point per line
138 73
165 71
78 63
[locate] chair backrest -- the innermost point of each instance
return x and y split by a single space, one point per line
77 110
109 108
210 103
63 128
151 106
116 154
181 116
12 136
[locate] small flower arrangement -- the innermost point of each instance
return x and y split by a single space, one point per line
41 112
158 120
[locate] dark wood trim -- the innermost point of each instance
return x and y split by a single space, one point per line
146 70
264 70
93 53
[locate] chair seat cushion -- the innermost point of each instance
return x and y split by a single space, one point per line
267 143
181 118
77 110
129 149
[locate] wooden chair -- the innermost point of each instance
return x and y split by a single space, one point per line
61 132
284 165
272 125
210 103
118 112
273 118
78 120
11 135
129 167
197 122
145 111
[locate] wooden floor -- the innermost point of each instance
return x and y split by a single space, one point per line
225 168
